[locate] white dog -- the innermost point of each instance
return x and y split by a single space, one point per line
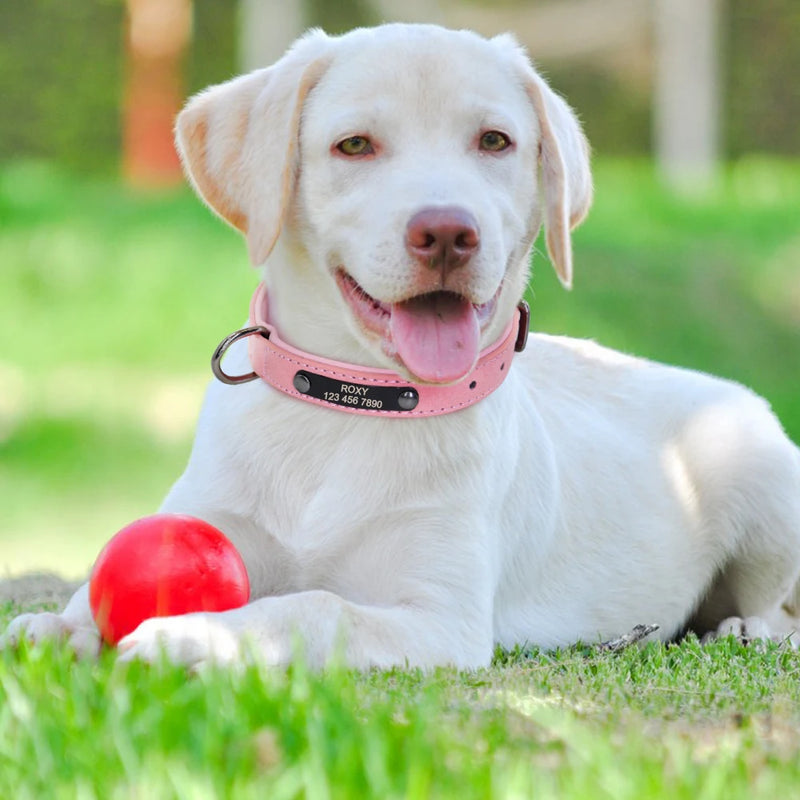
392 182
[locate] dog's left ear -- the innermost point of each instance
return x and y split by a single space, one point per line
565 174
238 141
566 179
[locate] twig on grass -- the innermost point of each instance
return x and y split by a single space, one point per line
636 634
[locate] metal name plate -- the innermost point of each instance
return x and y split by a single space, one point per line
355 395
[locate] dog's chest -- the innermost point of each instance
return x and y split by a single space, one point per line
317 477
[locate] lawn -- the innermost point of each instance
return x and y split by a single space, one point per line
669 722
111 305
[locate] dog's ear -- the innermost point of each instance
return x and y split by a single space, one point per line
566 179
238 142
565 174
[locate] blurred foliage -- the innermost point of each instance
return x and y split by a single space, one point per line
762 86
340 16
62 69
760 45
212 54
615 115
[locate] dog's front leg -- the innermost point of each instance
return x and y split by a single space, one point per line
74 625
324 626
268 565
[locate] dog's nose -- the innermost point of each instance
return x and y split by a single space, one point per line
443 237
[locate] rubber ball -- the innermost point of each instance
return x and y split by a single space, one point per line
164 565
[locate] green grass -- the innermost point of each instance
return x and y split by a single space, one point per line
111 304
686 721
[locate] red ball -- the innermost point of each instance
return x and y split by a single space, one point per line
164 565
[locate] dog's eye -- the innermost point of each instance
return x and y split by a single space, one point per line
355 146
494 141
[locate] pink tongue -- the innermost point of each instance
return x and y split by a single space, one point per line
436 336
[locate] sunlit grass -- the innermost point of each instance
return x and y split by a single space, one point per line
659 722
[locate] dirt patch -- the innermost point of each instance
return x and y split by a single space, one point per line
37 588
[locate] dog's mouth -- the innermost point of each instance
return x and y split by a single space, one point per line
436 335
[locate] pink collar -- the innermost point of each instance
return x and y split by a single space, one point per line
365 390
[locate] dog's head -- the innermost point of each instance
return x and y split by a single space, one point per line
407 169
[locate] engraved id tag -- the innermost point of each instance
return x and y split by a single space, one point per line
355 395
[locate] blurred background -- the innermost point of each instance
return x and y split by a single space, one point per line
116 283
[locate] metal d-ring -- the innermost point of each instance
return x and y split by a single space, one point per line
222 348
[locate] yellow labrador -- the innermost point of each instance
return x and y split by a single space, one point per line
390 184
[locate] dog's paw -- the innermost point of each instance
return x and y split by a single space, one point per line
748 630
35 628
191 640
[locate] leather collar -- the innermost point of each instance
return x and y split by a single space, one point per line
356 389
